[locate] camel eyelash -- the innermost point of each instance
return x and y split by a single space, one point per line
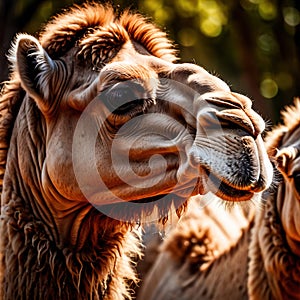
126 98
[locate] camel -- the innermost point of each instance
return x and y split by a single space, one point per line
101 128
248 253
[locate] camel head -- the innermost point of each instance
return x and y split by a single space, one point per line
283 144
121 126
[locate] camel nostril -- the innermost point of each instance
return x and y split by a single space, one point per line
233 119
238 118
211 124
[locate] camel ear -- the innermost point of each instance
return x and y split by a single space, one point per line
35 68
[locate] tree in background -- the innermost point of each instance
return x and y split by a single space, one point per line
251 44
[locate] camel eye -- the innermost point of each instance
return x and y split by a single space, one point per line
296 177
124 98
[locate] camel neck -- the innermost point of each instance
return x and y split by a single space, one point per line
271 258
52 272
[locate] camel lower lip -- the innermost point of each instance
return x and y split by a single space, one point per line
150 199
225 191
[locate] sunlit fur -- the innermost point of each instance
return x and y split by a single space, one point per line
291 120
274 268
80 25
193 259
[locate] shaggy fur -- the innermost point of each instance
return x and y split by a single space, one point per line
103 266
94 272
259 265
191 253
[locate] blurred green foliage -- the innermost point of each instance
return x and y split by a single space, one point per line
254 45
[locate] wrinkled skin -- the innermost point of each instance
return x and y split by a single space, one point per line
106 119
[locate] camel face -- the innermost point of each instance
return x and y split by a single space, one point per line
126 124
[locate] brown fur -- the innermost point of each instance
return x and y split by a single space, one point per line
77 26
11 97
201 250
94 272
